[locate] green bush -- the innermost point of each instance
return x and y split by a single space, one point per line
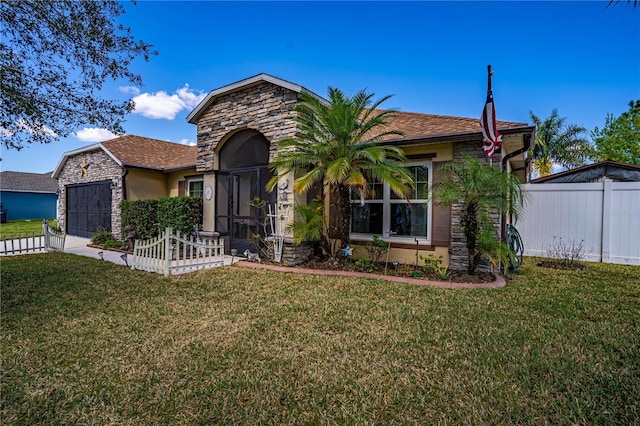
102 237
142 215
148 217
112 244
180 213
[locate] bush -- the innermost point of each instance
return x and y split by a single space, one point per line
180 213
112 244
142 215
148 217
102 237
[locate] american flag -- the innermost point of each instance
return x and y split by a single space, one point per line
491 139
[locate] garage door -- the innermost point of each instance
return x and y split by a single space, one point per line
88 208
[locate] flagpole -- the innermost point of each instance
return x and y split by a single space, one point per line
489 74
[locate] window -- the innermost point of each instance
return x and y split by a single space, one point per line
196 187
385 214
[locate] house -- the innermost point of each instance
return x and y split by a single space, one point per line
92 181
238 128
596 172
28 195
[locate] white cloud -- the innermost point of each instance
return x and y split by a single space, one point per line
162 105
129 89
188 142
36 129
92 134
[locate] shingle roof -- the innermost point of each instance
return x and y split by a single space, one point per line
27 182
415 125
149 153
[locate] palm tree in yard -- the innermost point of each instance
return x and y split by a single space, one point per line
339 145
483 193
558 142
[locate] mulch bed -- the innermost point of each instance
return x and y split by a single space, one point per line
402 270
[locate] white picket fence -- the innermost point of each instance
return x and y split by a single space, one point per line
170 253
48 240
604 216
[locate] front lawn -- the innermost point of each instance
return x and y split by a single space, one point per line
20 227
90 342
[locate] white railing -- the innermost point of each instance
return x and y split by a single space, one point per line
170 253
48 240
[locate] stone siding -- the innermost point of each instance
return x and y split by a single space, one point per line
458 256
263 107
101 168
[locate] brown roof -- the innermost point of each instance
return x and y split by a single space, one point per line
138 151
415 125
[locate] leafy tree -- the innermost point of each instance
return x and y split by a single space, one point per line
54 58
483 192
558 142
338 145
619 139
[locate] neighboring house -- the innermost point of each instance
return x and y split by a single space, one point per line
596 172
239 125
28 195
94 180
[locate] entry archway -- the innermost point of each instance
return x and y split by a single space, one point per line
242 175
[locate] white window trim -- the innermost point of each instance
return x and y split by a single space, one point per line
386 214
189 181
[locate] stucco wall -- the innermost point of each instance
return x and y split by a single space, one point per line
145 184
101 167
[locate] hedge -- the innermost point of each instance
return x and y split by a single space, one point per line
148 217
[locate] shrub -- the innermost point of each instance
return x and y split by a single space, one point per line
102 237
180 213
566 253
142 215
150 216
112 244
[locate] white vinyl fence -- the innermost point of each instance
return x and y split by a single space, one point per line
48 240
603 216
171 253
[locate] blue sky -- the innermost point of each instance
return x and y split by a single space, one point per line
579 57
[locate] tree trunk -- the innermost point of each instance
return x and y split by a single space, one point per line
470 225
343 204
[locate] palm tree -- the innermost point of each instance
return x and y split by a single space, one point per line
557 142
339 145
484 192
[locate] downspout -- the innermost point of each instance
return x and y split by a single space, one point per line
526 146
124 183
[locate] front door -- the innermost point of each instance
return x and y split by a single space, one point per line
237 221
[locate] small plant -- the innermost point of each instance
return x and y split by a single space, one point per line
567 254
363 265
432 266
115 244
376 248
102 237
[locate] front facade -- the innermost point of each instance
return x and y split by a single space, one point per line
239 125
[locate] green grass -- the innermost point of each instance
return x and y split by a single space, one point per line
21 227
90 342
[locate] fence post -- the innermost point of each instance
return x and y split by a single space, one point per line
167 249
45 231
606 222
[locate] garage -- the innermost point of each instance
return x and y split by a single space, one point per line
88 208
